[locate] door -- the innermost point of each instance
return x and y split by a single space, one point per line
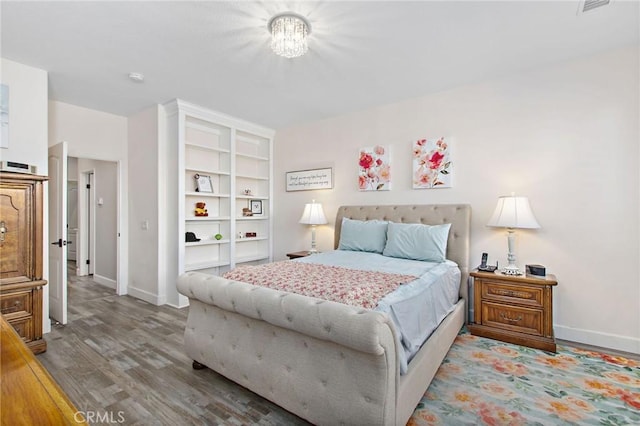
58 232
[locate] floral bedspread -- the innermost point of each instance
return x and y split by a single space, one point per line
348 286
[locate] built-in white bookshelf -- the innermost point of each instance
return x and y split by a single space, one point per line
236 157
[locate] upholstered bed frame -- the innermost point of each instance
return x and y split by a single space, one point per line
326 362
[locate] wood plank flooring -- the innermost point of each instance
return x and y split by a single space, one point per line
119 356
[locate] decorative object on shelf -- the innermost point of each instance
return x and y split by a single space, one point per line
190 237
513 213
313 215
203 183
255 206
431 163
247 192
250 234
305 180
374 169
240 235
201 210
218 237
289 33
247 212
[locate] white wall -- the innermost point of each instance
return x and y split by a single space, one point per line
143 202
28 115
565 136
97 135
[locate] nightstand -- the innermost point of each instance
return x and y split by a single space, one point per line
514 309
298 254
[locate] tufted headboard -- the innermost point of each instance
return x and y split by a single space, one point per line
459 215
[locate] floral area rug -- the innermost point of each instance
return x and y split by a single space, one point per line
484 381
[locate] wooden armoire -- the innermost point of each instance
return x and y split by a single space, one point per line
21 255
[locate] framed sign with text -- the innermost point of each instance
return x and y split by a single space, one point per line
305 180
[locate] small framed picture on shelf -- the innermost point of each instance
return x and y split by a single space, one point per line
255 206
203 183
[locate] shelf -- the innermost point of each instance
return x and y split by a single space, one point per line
242 240
207 218
205 194
205 265
251 177
206 243
253 218
252 258
251 197
211 172
206 148
253 157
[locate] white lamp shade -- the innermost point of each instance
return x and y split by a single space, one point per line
313 214
513 212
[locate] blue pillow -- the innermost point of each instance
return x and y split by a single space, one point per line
416 241
358 235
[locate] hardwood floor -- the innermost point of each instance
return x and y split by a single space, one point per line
121 357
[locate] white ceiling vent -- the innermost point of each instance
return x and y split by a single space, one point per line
589 5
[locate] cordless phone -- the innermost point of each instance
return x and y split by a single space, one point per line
483 264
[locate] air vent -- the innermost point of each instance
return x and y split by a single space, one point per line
589 5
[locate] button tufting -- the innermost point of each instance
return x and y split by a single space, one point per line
289 318
367 399
327 328
324 383
306 345
288 369
260 356
342 355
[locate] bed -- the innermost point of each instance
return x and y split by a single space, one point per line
326 362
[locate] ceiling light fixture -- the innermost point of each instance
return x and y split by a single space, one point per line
289 33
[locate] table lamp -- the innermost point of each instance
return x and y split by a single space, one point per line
313 215
512 213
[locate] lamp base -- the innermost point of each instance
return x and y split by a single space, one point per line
511 270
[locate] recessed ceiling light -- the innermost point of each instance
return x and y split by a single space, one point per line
136 76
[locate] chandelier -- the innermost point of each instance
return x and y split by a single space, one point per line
289 35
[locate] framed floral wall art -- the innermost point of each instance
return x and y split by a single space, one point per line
374 169
432 163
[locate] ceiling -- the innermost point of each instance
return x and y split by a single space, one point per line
361 54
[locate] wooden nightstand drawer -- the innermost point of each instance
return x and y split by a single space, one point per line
523 320
23 326
519 294
19 302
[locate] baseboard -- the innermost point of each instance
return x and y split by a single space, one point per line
154 299
183 302
107 282
594 338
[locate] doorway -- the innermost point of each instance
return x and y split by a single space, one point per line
97 248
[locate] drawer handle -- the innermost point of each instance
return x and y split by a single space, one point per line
16 303
506 318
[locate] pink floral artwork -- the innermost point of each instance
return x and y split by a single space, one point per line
374 169
431 164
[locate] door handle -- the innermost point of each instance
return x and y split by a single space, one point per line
59 243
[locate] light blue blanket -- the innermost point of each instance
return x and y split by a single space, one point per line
416 308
